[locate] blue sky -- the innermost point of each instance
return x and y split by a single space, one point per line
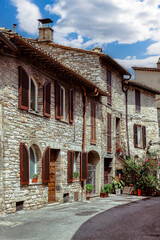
128 31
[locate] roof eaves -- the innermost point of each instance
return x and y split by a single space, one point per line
142 86
48 56
115 64
8 42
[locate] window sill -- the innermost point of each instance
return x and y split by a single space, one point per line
64 121
32 112
32 184
93 143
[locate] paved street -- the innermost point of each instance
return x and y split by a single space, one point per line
136 221
61 222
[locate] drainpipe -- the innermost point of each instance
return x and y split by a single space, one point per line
84 131
84 118
126 98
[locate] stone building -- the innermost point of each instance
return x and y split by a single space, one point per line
62 111
150 77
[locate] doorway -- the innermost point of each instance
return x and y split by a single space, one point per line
107 170
52 172
94 171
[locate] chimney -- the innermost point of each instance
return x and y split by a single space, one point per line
97 49
45 30
158 64
14 27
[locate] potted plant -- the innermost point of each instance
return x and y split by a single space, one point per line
34 178
105 190
118 186
75 175
89 189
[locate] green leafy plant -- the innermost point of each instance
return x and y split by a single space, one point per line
35 175
142 172
75 175
89 187
118 185
108 188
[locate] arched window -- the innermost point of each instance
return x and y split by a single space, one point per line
32 163
33 95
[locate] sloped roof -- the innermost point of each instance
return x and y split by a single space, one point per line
30 49
146 69
104 57
142 86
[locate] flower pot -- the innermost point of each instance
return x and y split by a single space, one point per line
34 180
118 191
103 195
88 195
139 192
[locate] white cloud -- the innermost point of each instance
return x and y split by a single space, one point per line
129 62
106 21
27 16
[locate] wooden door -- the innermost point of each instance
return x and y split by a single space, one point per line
105 171
52 183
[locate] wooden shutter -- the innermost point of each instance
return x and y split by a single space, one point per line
144 136
45 165
109 99
23 89
57 100
24 164
93 122
47 99
70 165
109 135
135 135
71 110
84 166
137 100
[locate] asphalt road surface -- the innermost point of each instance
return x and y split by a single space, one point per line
134 221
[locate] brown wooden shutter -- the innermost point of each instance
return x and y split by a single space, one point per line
84 166
57 100
45 165
144 136
24 164
109 133
70 165
47 99
23 89
109 99
137 100
71 110
135 135
93 122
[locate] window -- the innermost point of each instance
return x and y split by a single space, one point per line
29 99
74 165
139 136
32 163
93 122
109 136
64 103
137 100
109 87
33 95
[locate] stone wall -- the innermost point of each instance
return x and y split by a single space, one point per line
85 63
146 117
32 128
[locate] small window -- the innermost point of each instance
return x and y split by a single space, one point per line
32 163
64 103
33 95
137 100
139 136
93 122
73 166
